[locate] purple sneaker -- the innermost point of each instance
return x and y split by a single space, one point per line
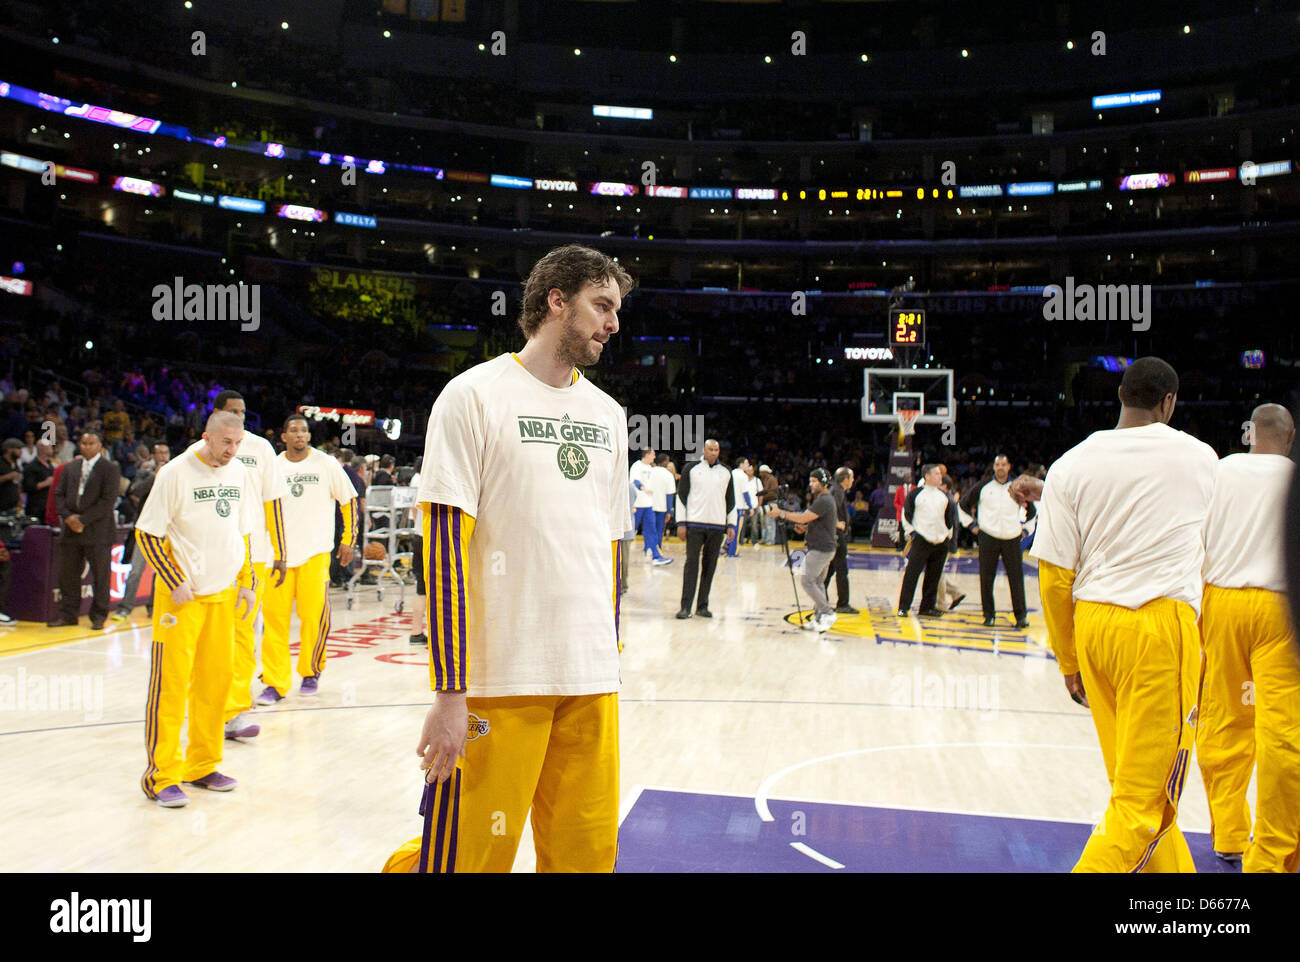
172 797
241 727
269 696
216 782
309 685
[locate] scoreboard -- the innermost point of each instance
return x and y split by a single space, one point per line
906 327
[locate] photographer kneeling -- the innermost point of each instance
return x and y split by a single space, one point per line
820 519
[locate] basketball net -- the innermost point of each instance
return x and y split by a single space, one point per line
906 425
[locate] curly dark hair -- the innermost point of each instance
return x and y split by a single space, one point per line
569 268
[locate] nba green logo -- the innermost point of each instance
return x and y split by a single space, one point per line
223 507
296 489
573 461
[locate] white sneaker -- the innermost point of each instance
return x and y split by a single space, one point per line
810 624
825 621
6 620
660 562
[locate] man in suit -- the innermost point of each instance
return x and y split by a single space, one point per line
85 496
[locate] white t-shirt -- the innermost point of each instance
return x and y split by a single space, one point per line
662 484
203 512
267 484
740 485
1245 534
640 471
1125 510
543 471
314 484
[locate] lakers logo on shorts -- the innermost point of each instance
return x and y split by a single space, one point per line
223 507
477 726
573 461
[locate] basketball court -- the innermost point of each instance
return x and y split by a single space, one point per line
748 744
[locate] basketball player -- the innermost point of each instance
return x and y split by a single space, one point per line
1250 698
644 516
267 490
1120 549
315 481
195 530
523 587
663 487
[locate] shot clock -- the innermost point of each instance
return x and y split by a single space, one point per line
906 327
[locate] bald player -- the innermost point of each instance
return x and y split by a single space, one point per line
1250 699
1119 548
195 530
267 493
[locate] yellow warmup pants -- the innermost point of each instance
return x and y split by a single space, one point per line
1250 713
557 754
1141 672
308 585
190 667
245 661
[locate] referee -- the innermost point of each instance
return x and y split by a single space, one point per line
705 502
999 527
929 514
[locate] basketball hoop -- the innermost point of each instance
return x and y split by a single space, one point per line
906 424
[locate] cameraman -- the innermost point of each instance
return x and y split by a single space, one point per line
821 542
839 566
768 494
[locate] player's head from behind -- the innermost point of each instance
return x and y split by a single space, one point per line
221 437
1272 430
571 302
711 451
932 474
1001 468
648 455
90 444
296 434
1150 385
231 401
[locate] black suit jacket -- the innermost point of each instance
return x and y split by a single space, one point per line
95 507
